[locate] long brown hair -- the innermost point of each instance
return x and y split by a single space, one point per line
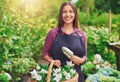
60 20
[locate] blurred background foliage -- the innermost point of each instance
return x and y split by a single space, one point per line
25 23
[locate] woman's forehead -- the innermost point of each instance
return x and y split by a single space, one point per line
67 7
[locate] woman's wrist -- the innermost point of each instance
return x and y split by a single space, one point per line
50 60
83 60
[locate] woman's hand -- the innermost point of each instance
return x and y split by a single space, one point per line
57 63
77 60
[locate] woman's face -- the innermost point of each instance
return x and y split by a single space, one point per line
68 14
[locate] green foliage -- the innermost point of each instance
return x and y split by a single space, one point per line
115 34
106 5
94 19
99 20
18 40
88 68
19 67
3 78
85 5
116 18
23 26
97 40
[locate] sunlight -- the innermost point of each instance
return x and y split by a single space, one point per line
30 4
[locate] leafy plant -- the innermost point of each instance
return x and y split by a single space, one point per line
88 68
116 31
19 67
97 40
5 77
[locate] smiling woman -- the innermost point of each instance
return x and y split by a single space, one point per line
67 34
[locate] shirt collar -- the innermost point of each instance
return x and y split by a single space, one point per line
75 30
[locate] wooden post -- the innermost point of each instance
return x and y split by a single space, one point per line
109 21
109 25
119 36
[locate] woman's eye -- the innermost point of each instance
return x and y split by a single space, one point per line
71 11
67 11
64 11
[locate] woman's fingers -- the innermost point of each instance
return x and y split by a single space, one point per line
57 63
76 60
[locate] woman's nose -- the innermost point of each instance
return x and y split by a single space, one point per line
67 13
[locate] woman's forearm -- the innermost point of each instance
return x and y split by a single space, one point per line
48 58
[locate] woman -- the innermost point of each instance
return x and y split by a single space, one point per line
66 34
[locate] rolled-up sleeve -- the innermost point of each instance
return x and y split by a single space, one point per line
85 44
48 43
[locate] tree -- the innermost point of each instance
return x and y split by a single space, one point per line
86 6
106 5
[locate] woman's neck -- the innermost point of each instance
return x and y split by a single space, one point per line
68 29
